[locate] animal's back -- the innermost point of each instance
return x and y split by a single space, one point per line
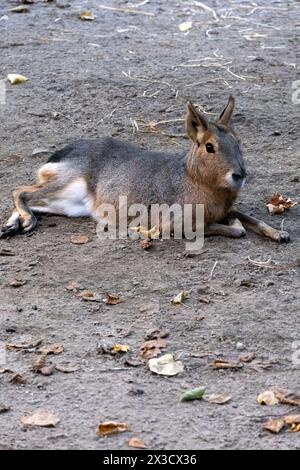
115 168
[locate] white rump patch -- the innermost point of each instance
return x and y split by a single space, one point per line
73 200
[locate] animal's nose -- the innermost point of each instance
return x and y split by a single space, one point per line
238 176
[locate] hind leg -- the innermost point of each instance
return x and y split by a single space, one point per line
22 218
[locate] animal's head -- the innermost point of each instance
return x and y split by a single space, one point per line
216 154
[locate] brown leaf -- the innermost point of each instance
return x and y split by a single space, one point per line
204 300
4 408
87 16
274 425
165 365
112 299
286 398
123 348
179 298
54 348
137 443
278 204
7 252
20 9
88 296
292 419
145 244
220 364
47 370
79 239
152 348
156 334
40 418
218 399
18 378
23 342
248 357
67 369
111 427
267 398
73 286
16 283
39 363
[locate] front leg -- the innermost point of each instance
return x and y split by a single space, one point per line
261 228
235 230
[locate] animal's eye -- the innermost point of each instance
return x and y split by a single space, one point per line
210 148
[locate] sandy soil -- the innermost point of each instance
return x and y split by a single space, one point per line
92 78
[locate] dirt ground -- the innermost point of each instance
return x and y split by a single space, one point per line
100 77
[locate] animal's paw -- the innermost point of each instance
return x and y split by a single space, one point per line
28 224
10 229
282 236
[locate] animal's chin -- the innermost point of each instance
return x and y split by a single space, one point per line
235 186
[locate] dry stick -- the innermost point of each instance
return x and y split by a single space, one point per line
145 79
135 11
212 271
205 7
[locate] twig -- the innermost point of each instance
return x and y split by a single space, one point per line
109 115
135 11
145 79
212 271
207 8
261 264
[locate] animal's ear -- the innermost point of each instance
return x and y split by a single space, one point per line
195 122
226 114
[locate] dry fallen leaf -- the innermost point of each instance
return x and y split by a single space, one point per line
111 427
18 378
218 399
23 342
79 239
292 419
267 398
7 252
220 364
112 299
186 26
4 408
55 348
20 9
16 79
274 425
16 283
39 363
165 365
47 370
278 204
121 348
67 369
40 418
87 16
145 244
137 443
89 296
147 234
73 286
152 348
179 298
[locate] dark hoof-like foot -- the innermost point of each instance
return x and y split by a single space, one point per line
29 225
282 237
9 230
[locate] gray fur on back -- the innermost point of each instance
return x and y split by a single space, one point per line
116 168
